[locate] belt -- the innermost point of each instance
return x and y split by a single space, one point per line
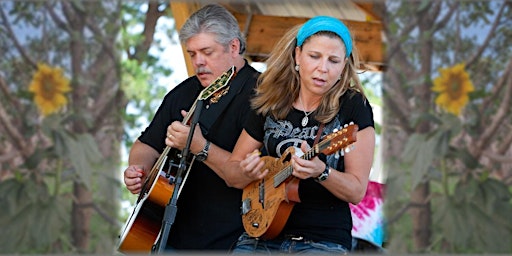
294 237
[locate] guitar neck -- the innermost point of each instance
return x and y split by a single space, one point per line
322 146
285 173
215 86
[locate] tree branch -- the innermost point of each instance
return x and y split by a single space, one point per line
495 91
481 49
105 41
395 46
152 16
5 90
444 20
403 210
17 44
13 134
59 22
505 143
398 109
497 157
498 118
102 213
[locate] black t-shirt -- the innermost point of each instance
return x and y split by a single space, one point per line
208 215
320 216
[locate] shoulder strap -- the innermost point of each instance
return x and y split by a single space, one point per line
210 114
319 133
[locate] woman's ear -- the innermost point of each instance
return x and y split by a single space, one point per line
297 54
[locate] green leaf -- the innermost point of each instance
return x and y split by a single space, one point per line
450 217
83 153
478 216
422 150
33 221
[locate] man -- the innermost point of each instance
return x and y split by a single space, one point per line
208 208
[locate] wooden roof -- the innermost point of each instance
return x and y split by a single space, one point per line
264 22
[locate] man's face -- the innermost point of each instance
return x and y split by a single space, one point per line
209 58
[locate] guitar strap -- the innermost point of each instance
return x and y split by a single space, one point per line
211 112
319 133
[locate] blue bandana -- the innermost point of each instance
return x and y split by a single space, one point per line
325 23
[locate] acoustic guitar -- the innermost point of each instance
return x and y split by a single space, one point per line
142 228
267 203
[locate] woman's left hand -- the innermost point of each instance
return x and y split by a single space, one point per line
303 168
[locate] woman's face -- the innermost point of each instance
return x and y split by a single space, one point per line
321 61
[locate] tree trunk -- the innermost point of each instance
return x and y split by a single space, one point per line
81 217
421 216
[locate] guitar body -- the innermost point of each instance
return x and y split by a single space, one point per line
270 206
143 226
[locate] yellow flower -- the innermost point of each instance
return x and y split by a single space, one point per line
453 86
49 86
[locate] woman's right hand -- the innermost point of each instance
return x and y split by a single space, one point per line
252 166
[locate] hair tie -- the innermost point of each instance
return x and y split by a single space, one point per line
325 23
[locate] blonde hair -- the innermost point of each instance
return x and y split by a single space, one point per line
278 87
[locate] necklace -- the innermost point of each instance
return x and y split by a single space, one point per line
305 120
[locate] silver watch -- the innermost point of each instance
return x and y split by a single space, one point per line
324 175
203 154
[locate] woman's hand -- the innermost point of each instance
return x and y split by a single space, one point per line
304 169
252 166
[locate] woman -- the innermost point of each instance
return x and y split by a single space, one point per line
310 88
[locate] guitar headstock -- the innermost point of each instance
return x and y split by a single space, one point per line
339 140
219 83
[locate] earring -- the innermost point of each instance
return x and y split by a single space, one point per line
297 67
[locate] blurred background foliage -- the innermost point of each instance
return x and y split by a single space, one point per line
60 170
448 159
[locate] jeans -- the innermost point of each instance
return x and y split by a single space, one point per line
288 244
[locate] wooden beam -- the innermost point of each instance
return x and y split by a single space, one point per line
264 31
371 9
181 11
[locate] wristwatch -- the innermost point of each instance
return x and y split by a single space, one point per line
203 154
323 176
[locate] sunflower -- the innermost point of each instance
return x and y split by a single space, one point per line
49 86
453 86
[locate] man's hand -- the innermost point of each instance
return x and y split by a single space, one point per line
133 176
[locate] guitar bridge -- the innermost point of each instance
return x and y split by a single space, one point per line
246 206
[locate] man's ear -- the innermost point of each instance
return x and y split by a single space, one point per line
234 46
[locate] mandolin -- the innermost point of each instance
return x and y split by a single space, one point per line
267 203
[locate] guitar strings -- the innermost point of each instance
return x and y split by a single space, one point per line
278 178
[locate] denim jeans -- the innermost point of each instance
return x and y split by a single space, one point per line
288 244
